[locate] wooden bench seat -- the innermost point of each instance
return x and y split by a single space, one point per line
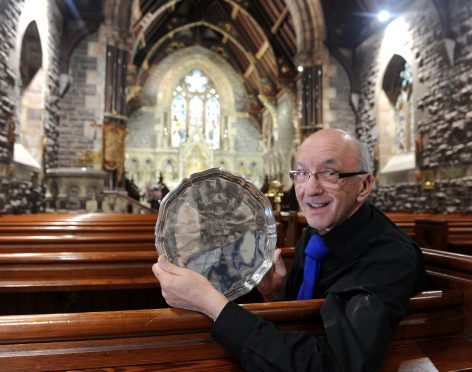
172 339
97 270
77 242
38 229
72 271
77 218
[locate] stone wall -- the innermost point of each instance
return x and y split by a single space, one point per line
29 196
52 108
79 129
340 114
9 14
141 132
442 108
13 195
247 135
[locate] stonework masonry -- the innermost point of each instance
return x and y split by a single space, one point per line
444 108
442 86
341 114
141 132
75 115
18 196
9 14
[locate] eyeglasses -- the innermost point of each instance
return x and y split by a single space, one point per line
326 177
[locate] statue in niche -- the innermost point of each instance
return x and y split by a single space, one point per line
195 162
148 172
253 173
169 171
242 169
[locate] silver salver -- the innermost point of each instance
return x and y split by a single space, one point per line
221 226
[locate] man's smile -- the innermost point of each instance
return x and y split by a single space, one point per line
317 205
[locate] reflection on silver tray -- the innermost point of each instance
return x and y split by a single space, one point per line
221 226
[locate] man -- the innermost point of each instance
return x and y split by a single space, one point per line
369 272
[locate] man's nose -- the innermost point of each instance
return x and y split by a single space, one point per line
313 186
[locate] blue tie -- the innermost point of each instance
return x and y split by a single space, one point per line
315 251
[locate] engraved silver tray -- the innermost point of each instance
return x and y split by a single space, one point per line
221 226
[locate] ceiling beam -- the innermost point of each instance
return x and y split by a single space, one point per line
279 20
264 47
234 12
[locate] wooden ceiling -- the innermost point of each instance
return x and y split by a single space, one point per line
256 37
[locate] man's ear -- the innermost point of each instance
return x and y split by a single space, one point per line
366 187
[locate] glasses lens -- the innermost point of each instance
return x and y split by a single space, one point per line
298 176
329 176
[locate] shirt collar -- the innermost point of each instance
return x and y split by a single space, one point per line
340 237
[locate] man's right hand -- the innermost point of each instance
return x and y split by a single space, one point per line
186 289
272 285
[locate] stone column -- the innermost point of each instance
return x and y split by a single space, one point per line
115 118
311 100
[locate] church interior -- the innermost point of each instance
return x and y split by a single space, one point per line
106 106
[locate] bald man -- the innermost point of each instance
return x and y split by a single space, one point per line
350 254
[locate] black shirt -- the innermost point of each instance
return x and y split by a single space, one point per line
368 277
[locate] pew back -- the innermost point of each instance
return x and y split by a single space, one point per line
173 339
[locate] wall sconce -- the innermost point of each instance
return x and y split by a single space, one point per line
428 179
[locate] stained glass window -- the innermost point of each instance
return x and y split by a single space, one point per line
195 114
179 115
195 110
404 113
196 82
212 127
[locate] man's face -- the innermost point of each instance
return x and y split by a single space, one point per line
326 206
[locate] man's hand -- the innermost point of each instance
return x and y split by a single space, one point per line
273 284
186 289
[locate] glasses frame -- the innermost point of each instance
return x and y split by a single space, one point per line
293 173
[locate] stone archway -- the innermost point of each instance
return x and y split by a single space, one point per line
32 78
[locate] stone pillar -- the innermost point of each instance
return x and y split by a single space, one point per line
115 115
311 100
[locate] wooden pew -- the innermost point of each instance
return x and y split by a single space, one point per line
445 270
62 232
77 262
436 326
98 241
77 218
451 270
175 339
294 223
60 223
431 233
113 263
444 235
55 271
459 229
47 282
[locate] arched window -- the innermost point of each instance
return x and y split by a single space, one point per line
404 112
195 110
396 115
